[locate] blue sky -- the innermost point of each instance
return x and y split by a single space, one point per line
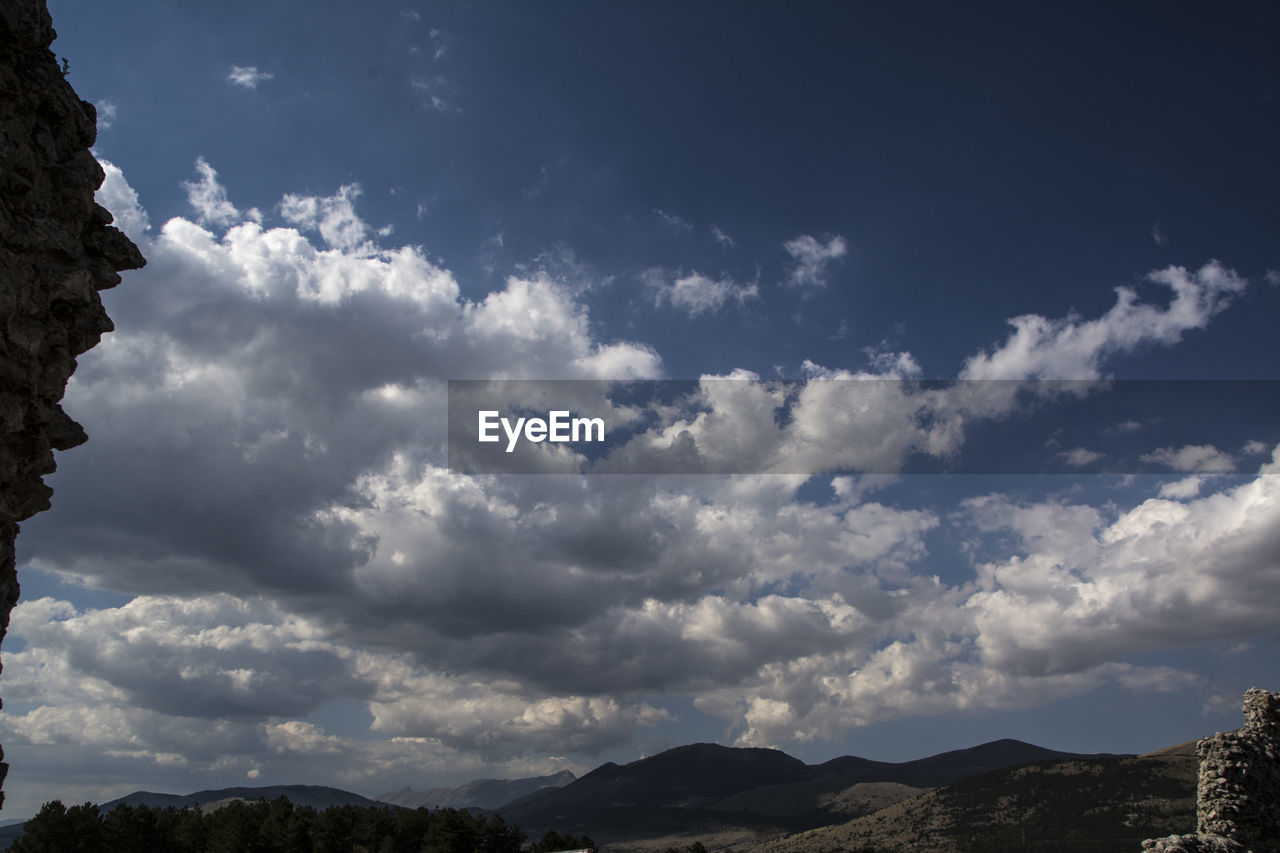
261 568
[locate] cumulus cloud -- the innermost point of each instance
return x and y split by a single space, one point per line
247 76
870 421
221 658
1192 569
1074 348
696 293
209 198
334 217
117 196
1193 458
810 258
295 370
209 657
195 692
267 476
1054 620
1187 487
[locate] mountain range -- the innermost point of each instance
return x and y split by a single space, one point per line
710 789
318 797
1090 805
1003 795
482 793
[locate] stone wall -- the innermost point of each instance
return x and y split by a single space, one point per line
57 250
1238 799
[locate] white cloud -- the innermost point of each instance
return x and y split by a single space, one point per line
722 238
1193 458
675 222
1163 572
117 196
1073 348
107 113
209 657
810 258
247 76
268 464
221 658
868 421
209 198
696 293
1187 487
333 216
1081 457
1053 620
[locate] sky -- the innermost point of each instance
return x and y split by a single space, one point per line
262 568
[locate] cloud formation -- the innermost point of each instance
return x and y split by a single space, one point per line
1193 459
810 258
696 293
208 197
1074 348
247 76
1055 620
267 481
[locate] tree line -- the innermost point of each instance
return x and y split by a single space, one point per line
277 827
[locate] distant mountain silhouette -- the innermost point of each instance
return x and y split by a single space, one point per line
697 775
316 796
943 768
702 788
713 785
481 793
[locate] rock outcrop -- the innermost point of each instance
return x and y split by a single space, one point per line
57 250
1238 799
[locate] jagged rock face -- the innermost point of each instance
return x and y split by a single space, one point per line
1238 801
57 250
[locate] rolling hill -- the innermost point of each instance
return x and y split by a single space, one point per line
704 789
1093 805
481 793
317 796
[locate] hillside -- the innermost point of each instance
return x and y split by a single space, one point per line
316 796
711 790
1095 805
480 793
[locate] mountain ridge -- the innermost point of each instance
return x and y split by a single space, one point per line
315 796
713 785
698 788
478 793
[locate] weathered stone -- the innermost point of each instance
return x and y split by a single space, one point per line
57 250
1238 798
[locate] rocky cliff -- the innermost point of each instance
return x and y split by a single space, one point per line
1238 796
57 250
